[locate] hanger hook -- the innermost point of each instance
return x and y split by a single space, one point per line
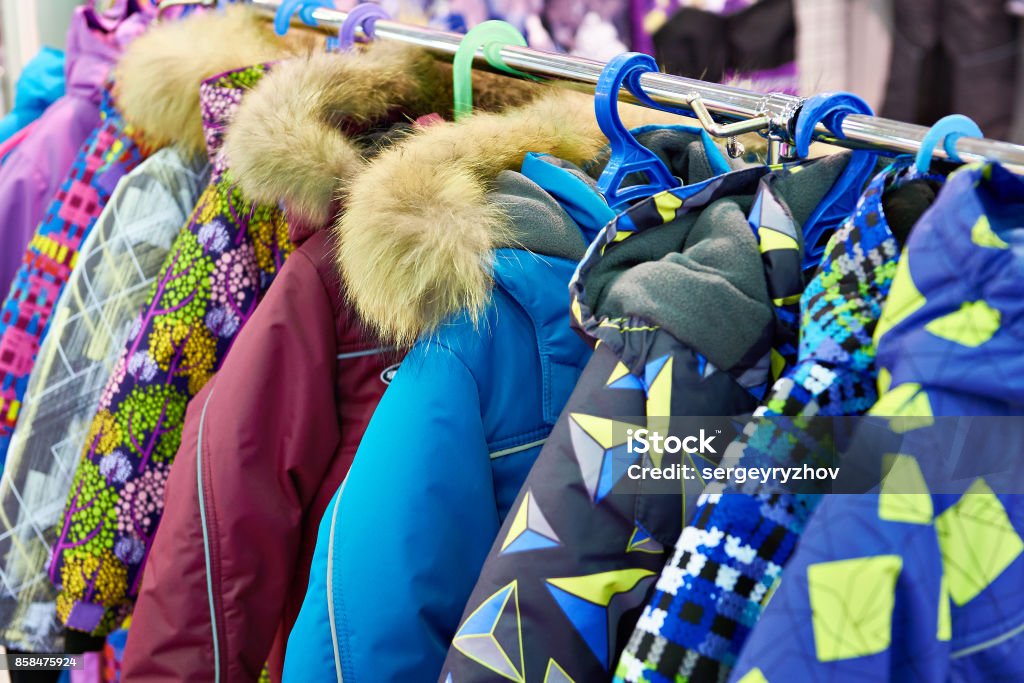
363 16
304 8
492 36
829 108
946 130
627 156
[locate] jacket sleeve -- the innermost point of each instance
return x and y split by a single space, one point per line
404 551
253 456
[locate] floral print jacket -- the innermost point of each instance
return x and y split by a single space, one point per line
215 274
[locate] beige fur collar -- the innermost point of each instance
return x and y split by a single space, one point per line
157 79
286 145
418 228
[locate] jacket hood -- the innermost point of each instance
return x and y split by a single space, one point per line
950 335
157 79
688 259
420 225
305 130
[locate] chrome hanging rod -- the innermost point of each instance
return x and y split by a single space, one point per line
728 103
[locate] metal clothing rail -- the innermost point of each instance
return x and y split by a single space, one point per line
728 103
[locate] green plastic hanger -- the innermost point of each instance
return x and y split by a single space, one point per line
492 36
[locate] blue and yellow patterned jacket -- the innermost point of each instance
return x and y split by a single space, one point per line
921 580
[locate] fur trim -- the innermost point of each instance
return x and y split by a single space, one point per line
285 143
418 226
158 77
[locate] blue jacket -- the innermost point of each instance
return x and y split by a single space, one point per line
920 581
40 84
402 542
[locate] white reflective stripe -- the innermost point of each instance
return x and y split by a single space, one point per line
206 540
367 352
992 642
330 584
518 449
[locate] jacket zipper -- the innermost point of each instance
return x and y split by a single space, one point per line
206 541
330 584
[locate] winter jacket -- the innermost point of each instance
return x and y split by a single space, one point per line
675 290
41 83
116 268
920 581
215 273
110 152
218 541
35 170
709 595
473 259
953 56
153 380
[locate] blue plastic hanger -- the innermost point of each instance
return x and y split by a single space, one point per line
946 130
831 109
627 155
304 8
363 17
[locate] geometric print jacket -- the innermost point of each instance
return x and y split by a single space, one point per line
726 561
116 266
920 580
217 271
576 557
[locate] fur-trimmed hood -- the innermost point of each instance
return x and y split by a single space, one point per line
157 79
419 226
299 135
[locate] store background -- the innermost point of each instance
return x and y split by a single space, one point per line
837 44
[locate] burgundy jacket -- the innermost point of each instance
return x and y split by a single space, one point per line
267 443
279 424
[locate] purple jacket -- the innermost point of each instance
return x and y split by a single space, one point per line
35 169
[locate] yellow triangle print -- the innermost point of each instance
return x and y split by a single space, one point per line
601 588
974 324
518 522
755 675
576 310
600 429
904 299
556 674
618 373
904 496
478 639
772 240
983 235
667 204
